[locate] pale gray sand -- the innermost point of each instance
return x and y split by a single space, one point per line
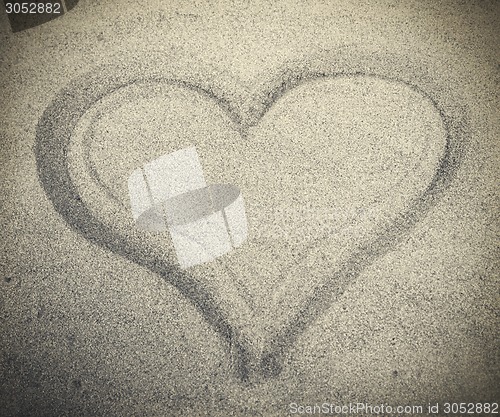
400 151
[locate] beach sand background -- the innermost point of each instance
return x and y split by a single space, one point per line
88 332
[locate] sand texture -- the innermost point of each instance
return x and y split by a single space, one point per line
364 139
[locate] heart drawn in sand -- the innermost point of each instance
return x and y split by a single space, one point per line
334 167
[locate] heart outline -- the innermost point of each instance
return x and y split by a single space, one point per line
53 138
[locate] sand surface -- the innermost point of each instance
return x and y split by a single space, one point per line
364 139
